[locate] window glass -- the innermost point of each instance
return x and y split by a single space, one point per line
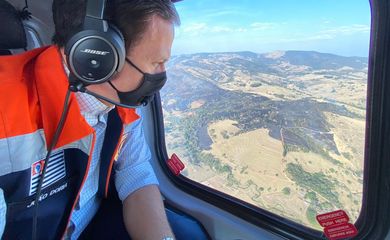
266 102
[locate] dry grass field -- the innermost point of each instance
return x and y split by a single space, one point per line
351 91
257 162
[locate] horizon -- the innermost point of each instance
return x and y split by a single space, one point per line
328 26
262 53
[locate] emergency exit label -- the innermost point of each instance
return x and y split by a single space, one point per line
344 230
336 225
332 218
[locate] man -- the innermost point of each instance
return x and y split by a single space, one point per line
69 201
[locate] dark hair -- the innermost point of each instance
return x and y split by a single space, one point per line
131 17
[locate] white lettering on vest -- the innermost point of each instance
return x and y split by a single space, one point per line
52 192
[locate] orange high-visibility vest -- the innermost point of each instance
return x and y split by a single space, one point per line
33 86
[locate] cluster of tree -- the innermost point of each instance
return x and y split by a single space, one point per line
317 182
197 156
297 139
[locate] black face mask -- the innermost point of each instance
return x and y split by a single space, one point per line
151 84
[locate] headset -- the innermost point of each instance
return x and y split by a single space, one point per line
97 52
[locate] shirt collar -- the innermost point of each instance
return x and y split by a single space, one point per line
89 105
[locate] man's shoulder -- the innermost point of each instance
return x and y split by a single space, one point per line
14 67
18 93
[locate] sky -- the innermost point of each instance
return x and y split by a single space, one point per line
340 27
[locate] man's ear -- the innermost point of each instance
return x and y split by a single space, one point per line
62 52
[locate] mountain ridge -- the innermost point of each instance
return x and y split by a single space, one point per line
313 59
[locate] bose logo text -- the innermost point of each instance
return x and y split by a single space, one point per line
96 52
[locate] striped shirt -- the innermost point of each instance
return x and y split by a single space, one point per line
132 169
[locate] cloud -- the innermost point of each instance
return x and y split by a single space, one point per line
203 29
261 26
330 33
306 38
348 30
221 29
269 33
194 27
215 14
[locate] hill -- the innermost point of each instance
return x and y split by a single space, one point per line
309 105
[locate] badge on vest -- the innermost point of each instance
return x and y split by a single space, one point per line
55 171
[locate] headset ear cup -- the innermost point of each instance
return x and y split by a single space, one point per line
92 56
119 42
114 28
95 56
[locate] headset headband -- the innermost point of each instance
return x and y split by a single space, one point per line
94 15
95 9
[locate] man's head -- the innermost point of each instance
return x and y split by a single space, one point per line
131 17
147 27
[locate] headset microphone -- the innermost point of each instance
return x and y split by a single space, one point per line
81 88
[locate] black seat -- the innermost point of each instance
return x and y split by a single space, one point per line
21 31
12 34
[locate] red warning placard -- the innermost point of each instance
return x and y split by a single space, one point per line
175 164
344 230
332 218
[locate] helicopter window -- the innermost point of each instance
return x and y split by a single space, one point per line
266 102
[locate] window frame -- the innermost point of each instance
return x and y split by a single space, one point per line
373 222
